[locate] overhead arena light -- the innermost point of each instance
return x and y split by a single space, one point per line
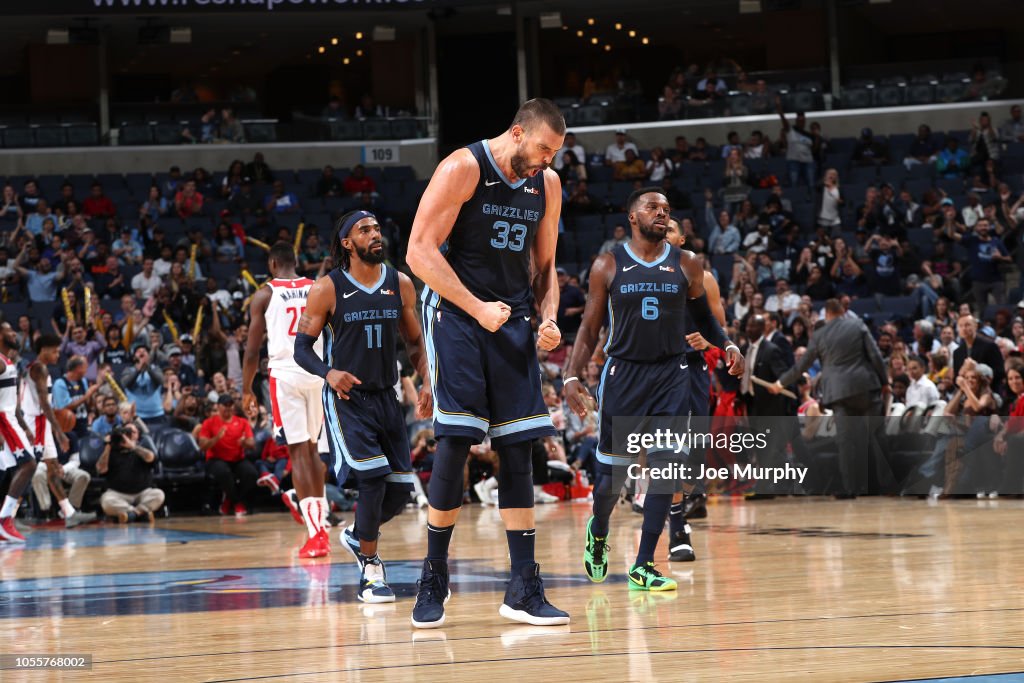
750 6
551 20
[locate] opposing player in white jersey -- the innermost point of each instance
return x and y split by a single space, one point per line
36 387
296 396
16 459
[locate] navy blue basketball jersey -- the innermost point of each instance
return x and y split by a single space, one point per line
362 335
490 244
646 307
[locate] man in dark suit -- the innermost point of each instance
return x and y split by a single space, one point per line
764 360
852 383
980 349
773 333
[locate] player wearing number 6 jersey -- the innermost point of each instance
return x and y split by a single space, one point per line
295 395
647 287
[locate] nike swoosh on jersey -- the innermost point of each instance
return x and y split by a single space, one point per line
626 268
345 296
488 183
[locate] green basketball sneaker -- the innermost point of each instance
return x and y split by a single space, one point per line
644 577
595 556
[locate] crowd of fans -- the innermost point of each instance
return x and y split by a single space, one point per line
153 326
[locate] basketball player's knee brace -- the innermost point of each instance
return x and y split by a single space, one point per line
447 479
395 498
603 480
515 478
369 511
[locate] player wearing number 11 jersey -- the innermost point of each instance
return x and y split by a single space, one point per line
295 395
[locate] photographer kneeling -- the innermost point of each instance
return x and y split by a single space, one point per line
129 471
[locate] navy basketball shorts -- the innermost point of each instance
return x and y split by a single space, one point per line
485 384
638 398
367 436
700 384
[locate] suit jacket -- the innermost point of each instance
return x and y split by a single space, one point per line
769 365
983 351
851 363
779 340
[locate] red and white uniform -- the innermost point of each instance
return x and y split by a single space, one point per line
15 443
296 396
32 410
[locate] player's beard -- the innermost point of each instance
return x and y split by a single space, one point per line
521 168
651 233
368 256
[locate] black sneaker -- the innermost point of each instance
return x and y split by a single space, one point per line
680 549
432 593
525 601
696 506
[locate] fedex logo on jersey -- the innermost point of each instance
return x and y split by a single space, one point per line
667 269
531 190
387 292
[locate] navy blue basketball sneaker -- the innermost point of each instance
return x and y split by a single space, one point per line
525 600
432 592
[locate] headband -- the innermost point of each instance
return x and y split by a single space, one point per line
347 226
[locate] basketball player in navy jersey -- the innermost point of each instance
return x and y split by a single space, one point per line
490 212
362 306
680 546
648 287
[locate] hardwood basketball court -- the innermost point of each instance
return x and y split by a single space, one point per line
792 589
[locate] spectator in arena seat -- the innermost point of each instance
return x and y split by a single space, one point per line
732 142
225 437
669 104
725 237
112 283
108 418
67 196
245 202
41 281
699 150
659 167
570 145
10 206
735 179
230 128
921 391
29 197
618 237
761 98
126 248
869 151
128 468
952 162
280 201
227 245
783 301
188 201
681 151
800 163
571 302
573 170
34 220
142 382
922 150
1013 129
756 147
978 348
312 256
616 152
986 252
146 282
368 109
258 170
358 182
328 185
984 142
333 111
759 241
156 206
631 169
97 204
580 200
1010 438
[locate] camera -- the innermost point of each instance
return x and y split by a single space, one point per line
118 436
431 443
